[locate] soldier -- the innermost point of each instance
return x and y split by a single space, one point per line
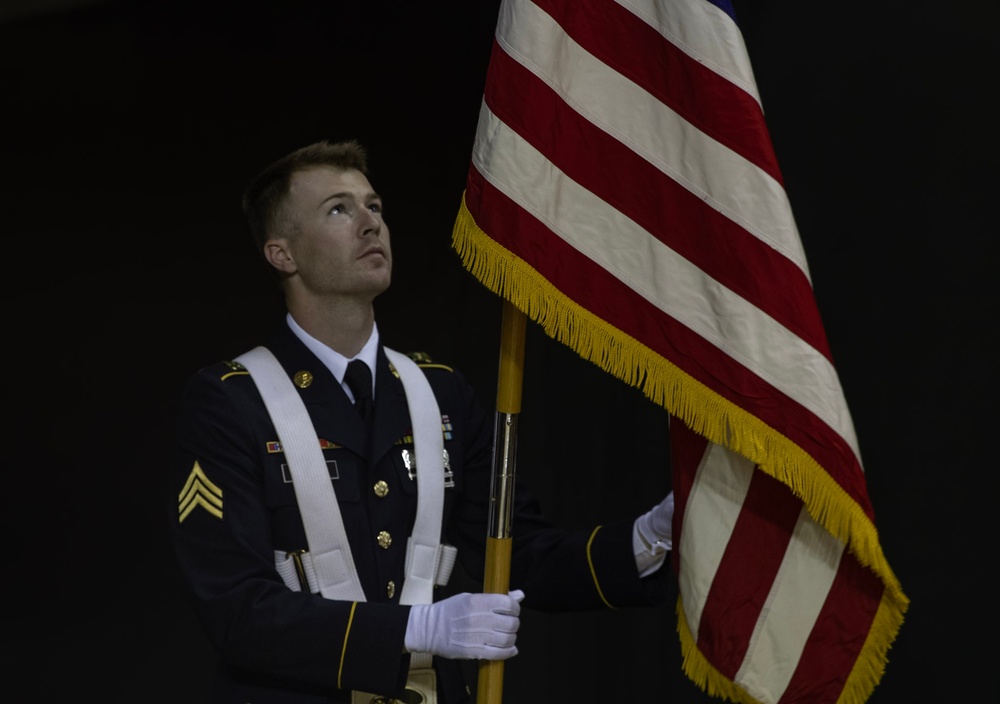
325 484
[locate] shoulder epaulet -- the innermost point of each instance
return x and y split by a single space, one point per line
424 361
235 369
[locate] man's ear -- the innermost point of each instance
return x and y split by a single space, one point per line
277 254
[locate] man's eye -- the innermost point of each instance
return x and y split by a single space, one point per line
375 207
336 209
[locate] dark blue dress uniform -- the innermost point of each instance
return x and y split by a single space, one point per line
233 506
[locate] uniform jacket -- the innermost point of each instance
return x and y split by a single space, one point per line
232 505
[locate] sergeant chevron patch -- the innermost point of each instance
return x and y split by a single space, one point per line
199 491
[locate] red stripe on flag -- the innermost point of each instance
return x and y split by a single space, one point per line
850 607
639 52
590 286
686 450
667 210
743 581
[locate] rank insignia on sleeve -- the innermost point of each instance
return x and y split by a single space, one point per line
199 491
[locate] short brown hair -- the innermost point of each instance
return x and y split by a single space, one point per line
264 198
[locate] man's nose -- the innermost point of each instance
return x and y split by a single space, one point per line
371 223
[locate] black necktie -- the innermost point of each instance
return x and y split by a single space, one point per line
359 378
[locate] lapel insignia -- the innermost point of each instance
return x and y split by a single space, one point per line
199 491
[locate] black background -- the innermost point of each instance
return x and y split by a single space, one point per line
128 132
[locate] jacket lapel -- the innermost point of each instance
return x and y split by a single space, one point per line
331 411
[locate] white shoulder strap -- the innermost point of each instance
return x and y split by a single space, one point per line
324 526
423 548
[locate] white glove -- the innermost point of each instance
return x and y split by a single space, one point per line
466 626
653 536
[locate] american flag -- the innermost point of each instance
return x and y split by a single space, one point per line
624 193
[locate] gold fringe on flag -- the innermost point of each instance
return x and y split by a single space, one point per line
709 415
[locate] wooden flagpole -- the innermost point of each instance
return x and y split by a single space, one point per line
498 538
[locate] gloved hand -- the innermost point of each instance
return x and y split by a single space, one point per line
656 525
653 535
466 626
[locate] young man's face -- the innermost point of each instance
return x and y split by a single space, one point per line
342 244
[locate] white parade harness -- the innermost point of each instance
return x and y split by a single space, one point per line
328 564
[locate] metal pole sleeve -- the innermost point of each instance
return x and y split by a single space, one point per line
504 469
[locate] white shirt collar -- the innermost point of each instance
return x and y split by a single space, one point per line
334 361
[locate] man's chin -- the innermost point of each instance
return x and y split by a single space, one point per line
380 287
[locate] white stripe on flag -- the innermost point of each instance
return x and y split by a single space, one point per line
657 273
702 31
727 181
796 598
713 505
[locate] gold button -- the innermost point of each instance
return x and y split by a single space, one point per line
384 539
303 379
381 488
390 589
